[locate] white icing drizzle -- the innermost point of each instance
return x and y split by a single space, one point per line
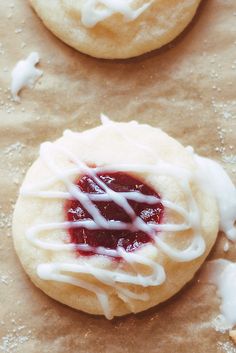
25 74
95 11
216 181
222 273
114 279
191 218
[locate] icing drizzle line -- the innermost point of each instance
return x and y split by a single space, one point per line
95 11
114 279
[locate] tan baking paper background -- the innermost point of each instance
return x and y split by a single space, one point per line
187 89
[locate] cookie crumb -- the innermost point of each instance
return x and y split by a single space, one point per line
232 335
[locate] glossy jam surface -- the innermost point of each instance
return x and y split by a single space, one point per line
111 239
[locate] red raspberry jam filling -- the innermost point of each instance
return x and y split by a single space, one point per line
111 239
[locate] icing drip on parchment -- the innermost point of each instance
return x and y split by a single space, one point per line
222 273
63 272
25 74
214 180
95 11
219 184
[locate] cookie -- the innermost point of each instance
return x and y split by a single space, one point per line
116 29
114 220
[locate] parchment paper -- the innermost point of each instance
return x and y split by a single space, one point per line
187 89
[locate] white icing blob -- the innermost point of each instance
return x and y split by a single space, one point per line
25 74
94 11
226 246
222 273
215 180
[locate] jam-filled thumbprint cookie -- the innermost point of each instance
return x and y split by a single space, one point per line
118 218
116 28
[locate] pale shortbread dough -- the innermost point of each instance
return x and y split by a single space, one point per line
127 143
114 37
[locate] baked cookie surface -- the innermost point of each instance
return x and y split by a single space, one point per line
116 29
75 196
